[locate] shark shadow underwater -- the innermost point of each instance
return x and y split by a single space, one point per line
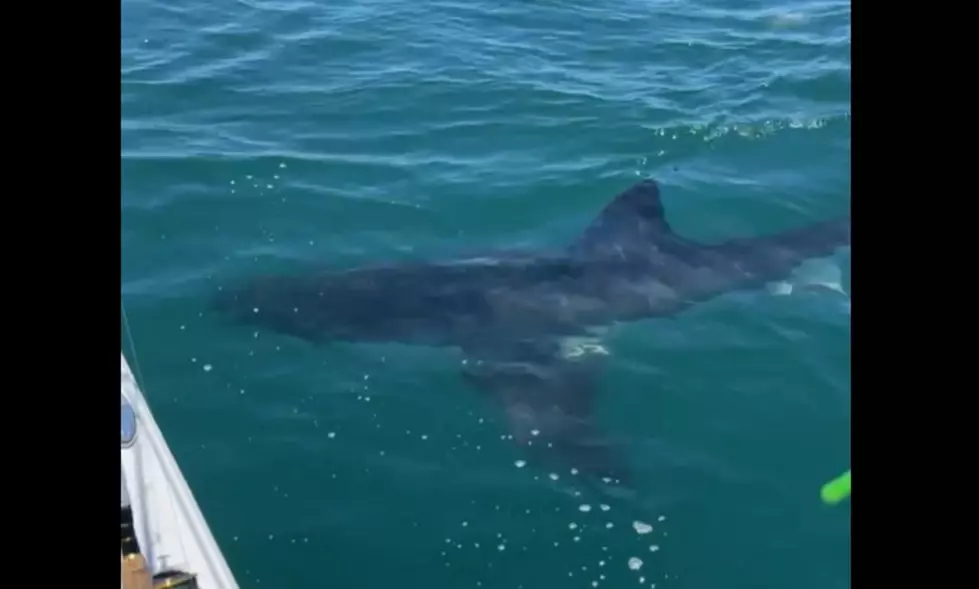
517 317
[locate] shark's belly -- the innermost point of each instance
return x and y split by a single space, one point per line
547 311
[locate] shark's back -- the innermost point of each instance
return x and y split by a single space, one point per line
627 264
509 314
603 275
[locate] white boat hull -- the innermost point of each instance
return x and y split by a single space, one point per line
170 528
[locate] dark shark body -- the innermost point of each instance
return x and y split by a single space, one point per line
513 316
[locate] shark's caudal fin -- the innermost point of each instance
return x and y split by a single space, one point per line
635 219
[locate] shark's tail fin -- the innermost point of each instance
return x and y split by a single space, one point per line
774 257
794 246
818 239
635 219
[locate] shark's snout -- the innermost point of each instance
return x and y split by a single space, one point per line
241 304
229 304
222 301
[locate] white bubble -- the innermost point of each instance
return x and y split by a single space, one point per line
604 507
521 463
331 435
553 476
635 563
653 548
584 508
642 528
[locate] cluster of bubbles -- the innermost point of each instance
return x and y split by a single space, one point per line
603 566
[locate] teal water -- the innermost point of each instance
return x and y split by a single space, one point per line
257 135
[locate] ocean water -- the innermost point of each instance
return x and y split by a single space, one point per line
259 135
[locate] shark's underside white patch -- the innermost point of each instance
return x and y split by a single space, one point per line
581 346
813 274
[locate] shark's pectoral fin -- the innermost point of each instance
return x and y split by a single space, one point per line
547 390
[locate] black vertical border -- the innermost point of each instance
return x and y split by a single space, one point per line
62 281
911 332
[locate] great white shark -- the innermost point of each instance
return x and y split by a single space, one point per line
526 323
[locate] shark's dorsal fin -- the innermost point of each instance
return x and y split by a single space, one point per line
634 219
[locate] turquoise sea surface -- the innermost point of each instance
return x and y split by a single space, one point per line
259 135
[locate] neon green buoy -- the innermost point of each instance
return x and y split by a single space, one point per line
837 489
